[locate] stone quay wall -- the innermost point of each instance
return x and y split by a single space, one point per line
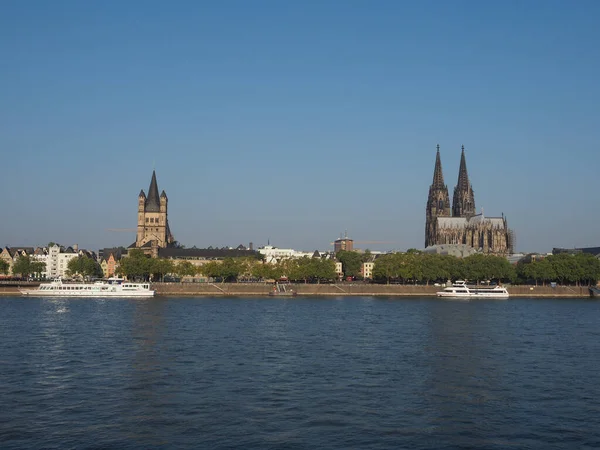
350 289
331 290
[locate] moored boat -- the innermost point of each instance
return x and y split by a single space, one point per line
113 287
459 289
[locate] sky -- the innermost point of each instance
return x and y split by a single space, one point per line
293 122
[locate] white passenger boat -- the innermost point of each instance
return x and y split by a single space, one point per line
460 290
113 287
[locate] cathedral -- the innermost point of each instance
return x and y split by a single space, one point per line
458 223
153 225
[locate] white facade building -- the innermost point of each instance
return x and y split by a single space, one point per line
57 262
273 254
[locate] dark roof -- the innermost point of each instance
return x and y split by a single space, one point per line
590 250
117 252
27 250
153 202
205 253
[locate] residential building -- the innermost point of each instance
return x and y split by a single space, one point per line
366 270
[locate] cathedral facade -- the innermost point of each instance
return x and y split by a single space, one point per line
458 223
153 230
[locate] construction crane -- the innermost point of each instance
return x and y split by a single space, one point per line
121 230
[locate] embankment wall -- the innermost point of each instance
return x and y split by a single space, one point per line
351 289
342 289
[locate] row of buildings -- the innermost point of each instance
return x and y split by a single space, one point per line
54 257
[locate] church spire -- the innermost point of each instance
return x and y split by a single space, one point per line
438 176
438 202
153 202
463 202
463 175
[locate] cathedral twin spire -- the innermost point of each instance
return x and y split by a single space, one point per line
438 202
463 202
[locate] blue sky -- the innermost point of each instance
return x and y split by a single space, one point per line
295 121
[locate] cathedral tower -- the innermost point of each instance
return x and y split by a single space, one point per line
153 225
438 202
463 202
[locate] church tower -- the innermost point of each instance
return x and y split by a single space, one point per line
438 202
463 202
153 225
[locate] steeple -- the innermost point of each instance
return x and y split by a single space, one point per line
438 176
152 202
438 202
463 202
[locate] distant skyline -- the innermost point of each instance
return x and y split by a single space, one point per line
293 122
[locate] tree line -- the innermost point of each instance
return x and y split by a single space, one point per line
410 267
418 267
137 265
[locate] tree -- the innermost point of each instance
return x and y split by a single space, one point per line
160 267
4 267
185 268
84 266
351 262
136 265
22 266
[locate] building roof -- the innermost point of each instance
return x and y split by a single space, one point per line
458 250
591 250
26 250
175 253
463 222
153 201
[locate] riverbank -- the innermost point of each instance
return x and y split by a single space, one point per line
350 289
334 290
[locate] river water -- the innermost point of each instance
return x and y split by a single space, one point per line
303 373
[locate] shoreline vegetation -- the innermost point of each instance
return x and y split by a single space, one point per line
412 273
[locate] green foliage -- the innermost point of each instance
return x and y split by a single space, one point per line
160 267
4 267
581 268
25 266
351 262
136 265
84 266
183 268
419 267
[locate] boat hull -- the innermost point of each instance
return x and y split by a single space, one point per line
91 294
498 296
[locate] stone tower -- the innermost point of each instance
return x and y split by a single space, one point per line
463 202
438 202
153 224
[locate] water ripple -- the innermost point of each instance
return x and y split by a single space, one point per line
299 374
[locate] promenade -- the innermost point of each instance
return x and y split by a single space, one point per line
330 290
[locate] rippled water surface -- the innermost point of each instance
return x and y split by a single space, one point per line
305 373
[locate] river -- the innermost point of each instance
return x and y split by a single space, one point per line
301 373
